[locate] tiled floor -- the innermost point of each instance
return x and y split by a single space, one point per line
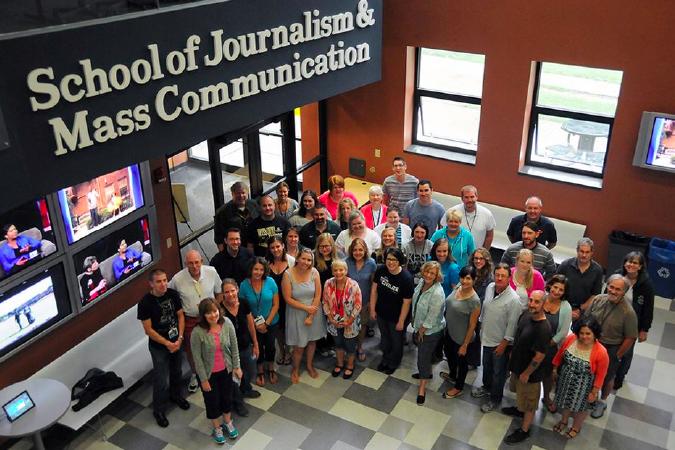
376 411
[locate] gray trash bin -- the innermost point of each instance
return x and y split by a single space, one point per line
621 243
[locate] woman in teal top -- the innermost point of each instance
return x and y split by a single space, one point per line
262 296
459 239
428 321
441 252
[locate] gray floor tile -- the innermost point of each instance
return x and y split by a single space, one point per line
640 371
448 443
668 337
666 354
124 409
131 438
384 399
612 440
395 427
644 413
660 400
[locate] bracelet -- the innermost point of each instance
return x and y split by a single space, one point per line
180 338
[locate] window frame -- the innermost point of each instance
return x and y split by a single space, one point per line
417 108
536 111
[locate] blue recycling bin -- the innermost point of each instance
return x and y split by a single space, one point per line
662 267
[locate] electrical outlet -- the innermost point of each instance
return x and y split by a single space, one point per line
377 153
372 169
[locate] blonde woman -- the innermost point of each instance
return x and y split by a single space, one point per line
525 278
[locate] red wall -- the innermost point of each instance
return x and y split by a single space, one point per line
630 36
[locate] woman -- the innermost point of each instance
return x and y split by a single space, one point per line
279 261
440 252
459 238
481 260
335 193
126 261
357 229
345 209
293 242
580 367
375 212
641 295
360 268
428 321
216 357
262 295
285 206
342 307
403 231
387 240
308 200
305 323
17 249
418 250
462 309
559 315
390 298
525 278
324 254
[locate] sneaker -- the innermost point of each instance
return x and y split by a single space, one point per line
599 408
519 435
479 392
488 406
193 386
232 431
218 436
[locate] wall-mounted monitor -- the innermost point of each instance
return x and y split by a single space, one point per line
655 147
113 259
90 206
27 237
31 307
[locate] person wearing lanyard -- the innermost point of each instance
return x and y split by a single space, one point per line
194 283
460 239
374 212
479 220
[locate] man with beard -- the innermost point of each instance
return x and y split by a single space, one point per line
237 213
234 260
584 277
311 230
543 258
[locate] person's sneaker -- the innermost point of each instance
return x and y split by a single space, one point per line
599 408
232 431
193 386
512 411
488 406
251 394
479 392
218 436
519 435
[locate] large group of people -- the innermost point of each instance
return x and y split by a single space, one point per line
293 278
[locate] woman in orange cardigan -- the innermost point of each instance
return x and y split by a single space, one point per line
580 367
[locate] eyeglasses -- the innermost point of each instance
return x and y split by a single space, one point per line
325 246
478 258
392 259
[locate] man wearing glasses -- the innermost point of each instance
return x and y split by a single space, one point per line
400 187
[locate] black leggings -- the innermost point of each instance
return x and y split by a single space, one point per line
458 366
266 344
218 400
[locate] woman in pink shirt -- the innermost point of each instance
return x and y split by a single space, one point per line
525 278
336 192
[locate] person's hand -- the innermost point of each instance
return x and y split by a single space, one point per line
255 351
642 336
206 386
554 375
103 283
576 313
420 336
173 346
262 328
373 315
311 309
399 326
524 377
462 350
308 320
21 261
592 396
238 373
499 350
25 249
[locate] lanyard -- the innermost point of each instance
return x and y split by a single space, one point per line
376 222
475 214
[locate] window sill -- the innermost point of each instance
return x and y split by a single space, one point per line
563 177
447 155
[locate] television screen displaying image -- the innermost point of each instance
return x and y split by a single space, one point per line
113 259
90 206
655 148
31 307
27 237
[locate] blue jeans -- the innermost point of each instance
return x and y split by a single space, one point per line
166 378
495 372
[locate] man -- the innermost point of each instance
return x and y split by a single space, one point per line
234 260
194 283
265 226
584 277
619 330
400 187
498 317
543 258
533 335
477 218
161 313
403 231
533 206
247 341
311 230
237 213
424 209
92 204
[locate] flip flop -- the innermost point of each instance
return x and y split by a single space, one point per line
560 427
572 433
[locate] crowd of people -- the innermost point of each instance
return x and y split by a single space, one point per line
292 278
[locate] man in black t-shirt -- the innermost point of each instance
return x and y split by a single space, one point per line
311 230
533 335
234 260
161 313
265 226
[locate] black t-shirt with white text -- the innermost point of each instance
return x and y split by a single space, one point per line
162 312
260 230
391 290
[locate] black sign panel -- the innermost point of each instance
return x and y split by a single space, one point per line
84 100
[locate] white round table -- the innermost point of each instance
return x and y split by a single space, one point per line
51 398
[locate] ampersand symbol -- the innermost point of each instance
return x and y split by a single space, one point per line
364 17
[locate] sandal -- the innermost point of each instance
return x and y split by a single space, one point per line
337 371
560 427
572 433
260 379
361 355
272 374
348 373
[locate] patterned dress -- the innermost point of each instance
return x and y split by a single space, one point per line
575 380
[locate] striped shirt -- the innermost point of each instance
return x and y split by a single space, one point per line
400 193
543 258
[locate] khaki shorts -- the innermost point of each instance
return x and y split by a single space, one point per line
527 394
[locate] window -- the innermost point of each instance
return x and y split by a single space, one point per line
572 118
447 100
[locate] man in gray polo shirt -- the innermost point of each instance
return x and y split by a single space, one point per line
194 283
499 318
618 321
543 258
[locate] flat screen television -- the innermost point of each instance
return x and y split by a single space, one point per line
90 206
655 148
27 237
29 308
112 260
